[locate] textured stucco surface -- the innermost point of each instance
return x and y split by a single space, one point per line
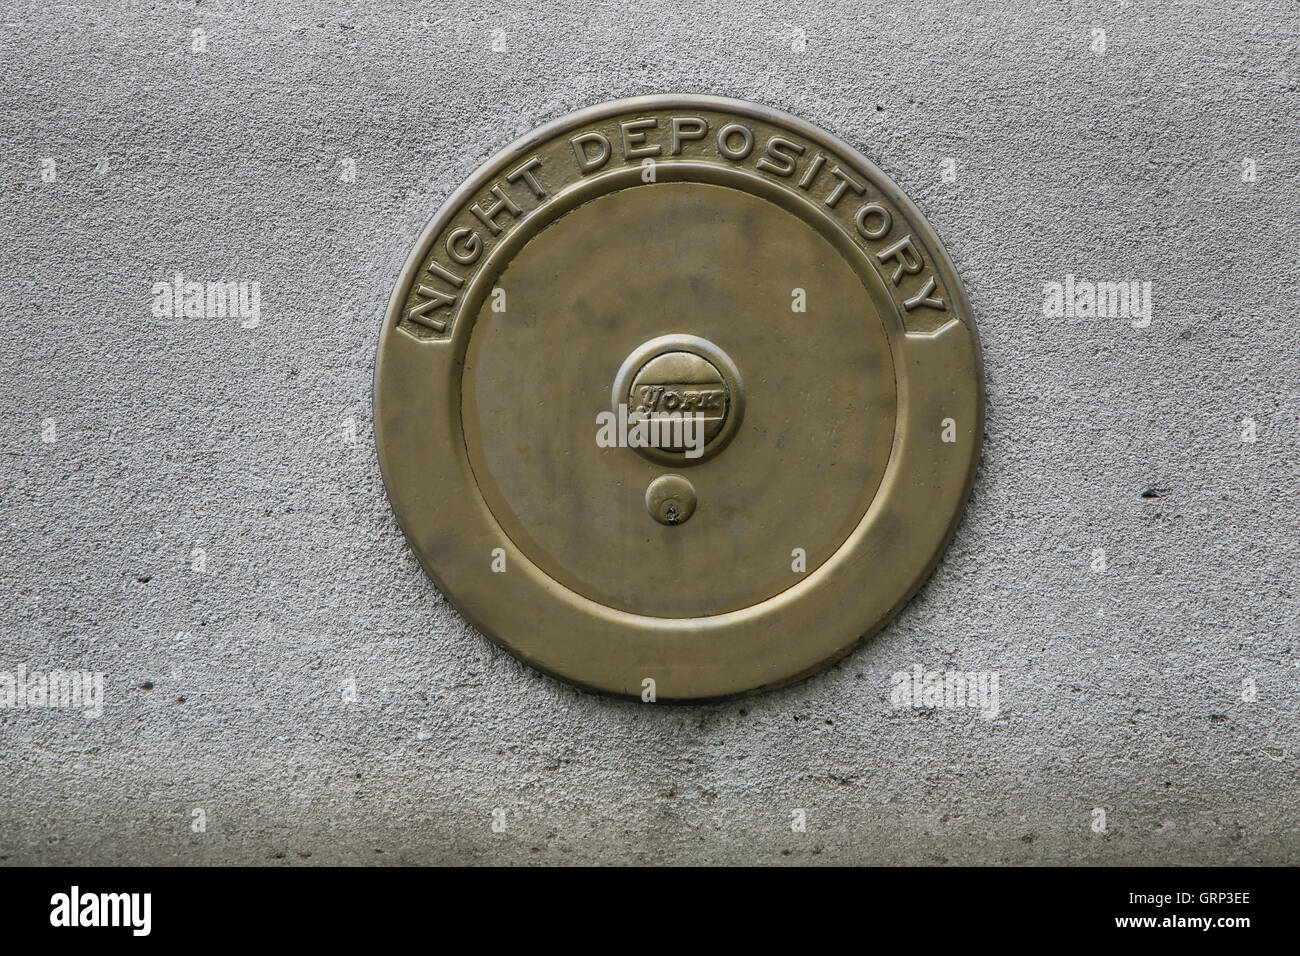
1121 690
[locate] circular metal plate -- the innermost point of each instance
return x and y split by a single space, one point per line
682 390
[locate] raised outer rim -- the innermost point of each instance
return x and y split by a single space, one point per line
942 264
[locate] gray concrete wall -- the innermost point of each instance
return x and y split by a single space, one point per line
1120 690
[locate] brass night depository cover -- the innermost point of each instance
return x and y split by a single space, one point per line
678 396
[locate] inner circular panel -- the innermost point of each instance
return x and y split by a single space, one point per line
658 259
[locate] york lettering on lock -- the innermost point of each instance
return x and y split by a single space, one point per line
678 398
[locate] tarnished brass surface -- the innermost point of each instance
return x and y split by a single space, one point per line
651 259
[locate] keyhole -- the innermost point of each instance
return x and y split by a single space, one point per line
670 500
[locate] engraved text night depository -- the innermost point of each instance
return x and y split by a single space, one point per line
457 253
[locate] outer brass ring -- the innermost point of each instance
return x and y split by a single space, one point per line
452 528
